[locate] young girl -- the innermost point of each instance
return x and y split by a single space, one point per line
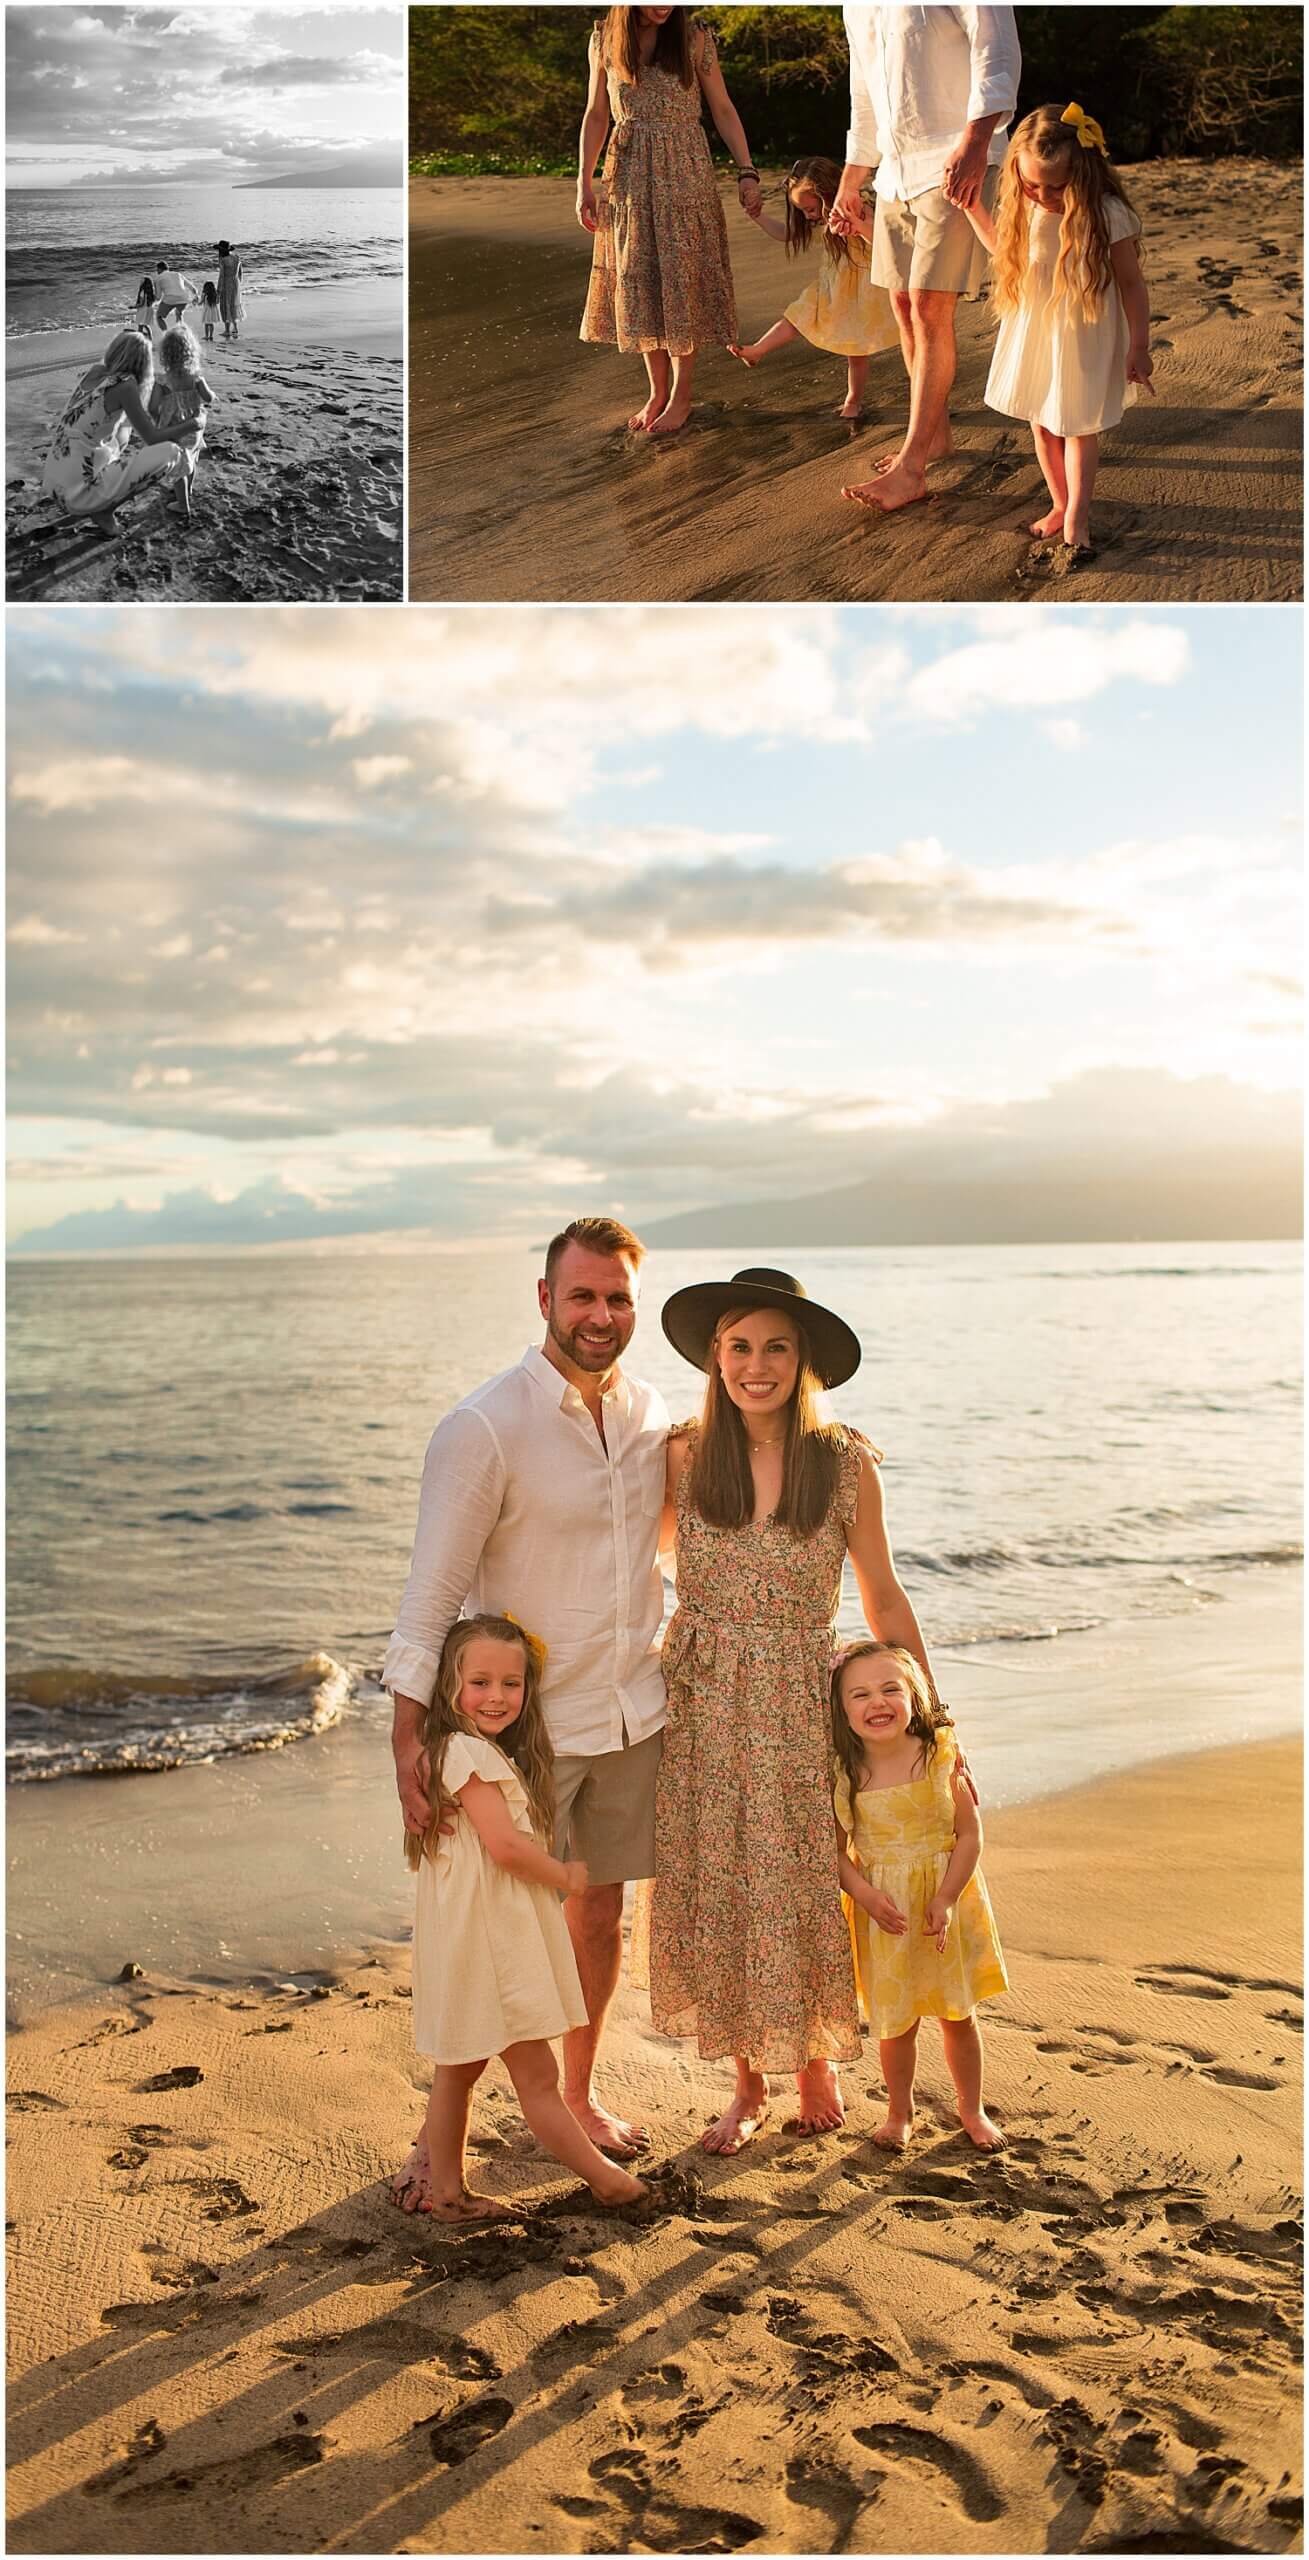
182 398
209 309
909 1840
494 1971
842 311
1075 316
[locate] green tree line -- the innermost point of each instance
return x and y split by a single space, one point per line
503 87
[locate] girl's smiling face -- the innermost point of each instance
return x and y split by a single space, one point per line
759 1356
492 1683
1043 181
876 1699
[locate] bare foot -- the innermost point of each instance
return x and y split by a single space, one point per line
643 418
894 489
739 2123
610 2134
850 408
409 2187
894 2131
982 2133
746 355
942 443
822 2107
464 2204
674 418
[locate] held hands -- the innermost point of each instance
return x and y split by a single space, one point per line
936 1921
750 197
576 1873
965 169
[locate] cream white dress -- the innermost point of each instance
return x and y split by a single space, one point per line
493 1961
1053 366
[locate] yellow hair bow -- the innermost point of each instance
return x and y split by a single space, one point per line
1089 133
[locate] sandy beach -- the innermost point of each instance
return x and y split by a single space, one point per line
525 484
298 495
224 2338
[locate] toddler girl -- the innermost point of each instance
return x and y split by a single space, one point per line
494 1971
1075 316
909 1844
181 397
209 309
842 311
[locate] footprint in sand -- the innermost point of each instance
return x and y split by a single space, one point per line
921 2445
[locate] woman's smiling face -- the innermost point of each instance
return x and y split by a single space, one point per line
759 1356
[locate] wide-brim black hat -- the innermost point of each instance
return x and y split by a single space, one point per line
690 1316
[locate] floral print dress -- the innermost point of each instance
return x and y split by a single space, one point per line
749 1951
661 275
92 462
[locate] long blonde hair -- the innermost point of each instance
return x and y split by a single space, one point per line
721 1486
824 176
525 1742
1083 268
927 1721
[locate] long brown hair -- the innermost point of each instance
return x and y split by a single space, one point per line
824 177
620 44
525 1742
1083 268
721 1487
927 1721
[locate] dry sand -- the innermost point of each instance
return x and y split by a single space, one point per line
525 484
224 2339
299 490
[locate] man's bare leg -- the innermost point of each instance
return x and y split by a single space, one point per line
595 1925
944 442
934 371
780 335
659 369
1050 455
679 402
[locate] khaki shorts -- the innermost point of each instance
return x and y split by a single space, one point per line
605 1809
928 245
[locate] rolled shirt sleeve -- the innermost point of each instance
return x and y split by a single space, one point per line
996 62
462 1492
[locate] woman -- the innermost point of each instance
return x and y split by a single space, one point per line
749 1948
661 279
231 301
106 442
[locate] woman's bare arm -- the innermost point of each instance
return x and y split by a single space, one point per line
726 120
595 126
886 1604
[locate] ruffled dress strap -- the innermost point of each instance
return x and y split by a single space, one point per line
704 47
843 1803
469 1755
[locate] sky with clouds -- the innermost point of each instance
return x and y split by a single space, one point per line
423 923
212 93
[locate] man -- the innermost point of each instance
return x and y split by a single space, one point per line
542 1494
932 92
172 293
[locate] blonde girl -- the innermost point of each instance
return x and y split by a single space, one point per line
1074 312
494 1971
106 444
842 310
181 398
909 1840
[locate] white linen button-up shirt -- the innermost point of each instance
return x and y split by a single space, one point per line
524 1508
917 77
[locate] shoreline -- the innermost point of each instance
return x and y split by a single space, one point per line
1199 495
224 2338
315 1824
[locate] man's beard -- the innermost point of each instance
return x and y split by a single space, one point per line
583 1355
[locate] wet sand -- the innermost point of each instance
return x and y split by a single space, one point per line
223 2338
525 484
298 493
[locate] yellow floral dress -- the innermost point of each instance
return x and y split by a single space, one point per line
748 1950
901 1839
660 275
841 309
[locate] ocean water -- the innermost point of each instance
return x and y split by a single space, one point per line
75 256
214 1462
